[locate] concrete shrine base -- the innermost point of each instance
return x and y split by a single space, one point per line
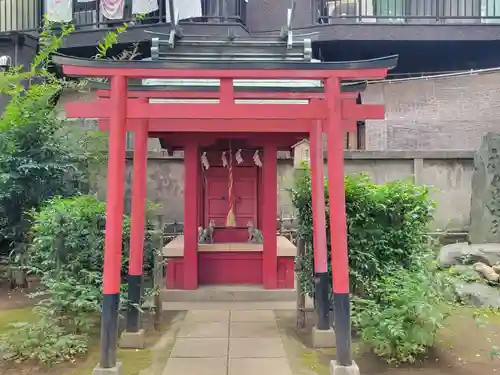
336 369
116 370
323 338
133 340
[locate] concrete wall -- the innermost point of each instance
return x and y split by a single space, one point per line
449 112
449 173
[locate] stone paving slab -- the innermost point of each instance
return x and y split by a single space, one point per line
256 348
200 348
196 366
253 316
191 329
269 305
223 342
207 316
254 330
259 366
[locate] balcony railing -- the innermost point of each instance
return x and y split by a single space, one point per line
407 11
27 15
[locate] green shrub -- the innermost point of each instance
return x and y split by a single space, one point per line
386 228
399 300
68 252
400 319
68 237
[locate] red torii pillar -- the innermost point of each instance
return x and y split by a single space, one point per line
319 234
191 185
349 112
338 222
114 222
133 336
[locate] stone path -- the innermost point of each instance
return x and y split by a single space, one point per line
228 342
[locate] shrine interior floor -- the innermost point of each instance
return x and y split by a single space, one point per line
232 342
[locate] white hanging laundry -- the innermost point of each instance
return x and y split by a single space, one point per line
184 9
112 9
204 161
59 10
144 6
224 159
238 157
256 159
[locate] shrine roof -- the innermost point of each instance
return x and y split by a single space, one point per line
387 62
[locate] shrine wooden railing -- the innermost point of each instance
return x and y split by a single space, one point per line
285 226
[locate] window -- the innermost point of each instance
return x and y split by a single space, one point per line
489 9
442 11
390 10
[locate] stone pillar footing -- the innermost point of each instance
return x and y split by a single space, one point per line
322 338
117 370
133 340
336 369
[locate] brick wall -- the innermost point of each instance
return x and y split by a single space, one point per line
436 113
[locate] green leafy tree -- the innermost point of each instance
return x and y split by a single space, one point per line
45 165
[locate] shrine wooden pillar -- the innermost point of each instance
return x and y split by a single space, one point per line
114 222
270 207
338 222
137 224
321 282
191 186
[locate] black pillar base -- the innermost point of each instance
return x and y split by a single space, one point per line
342 315
134 299
109 330
321 300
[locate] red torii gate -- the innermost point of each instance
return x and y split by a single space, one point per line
330 111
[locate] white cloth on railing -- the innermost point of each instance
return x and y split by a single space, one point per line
144 6
112 9
184 8
59 10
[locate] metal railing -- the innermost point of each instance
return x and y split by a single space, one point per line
27 15
407 11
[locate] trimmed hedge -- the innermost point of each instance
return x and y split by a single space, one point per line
386 226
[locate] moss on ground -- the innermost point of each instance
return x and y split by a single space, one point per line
8 318
134 361
311 360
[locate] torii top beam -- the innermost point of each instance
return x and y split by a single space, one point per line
349 70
